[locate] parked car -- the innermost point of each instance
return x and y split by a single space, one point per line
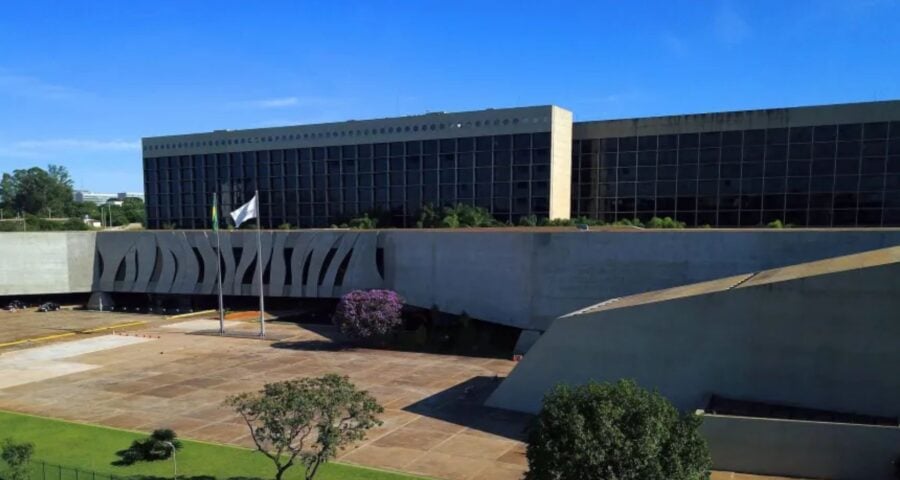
15 305
48 307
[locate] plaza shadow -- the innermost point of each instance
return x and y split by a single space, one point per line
463 405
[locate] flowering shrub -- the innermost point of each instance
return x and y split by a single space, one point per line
368 314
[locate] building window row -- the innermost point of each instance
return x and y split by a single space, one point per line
358 132
817 176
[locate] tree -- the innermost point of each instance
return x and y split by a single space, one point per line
133 210
369 314
37 191
158 446
328 412
614 431
17 456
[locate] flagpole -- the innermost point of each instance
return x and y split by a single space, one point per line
219 266
259 266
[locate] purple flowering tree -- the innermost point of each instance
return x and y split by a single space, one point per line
369 314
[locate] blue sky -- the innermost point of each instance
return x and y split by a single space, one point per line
82 82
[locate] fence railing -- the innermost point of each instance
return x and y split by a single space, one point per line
49 471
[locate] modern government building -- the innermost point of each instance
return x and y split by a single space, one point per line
820 166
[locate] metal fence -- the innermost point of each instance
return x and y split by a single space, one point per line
49 471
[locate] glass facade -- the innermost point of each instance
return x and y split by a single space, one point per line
319 186
817 176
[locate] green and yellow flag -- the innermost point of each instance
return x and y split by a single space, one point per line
215 215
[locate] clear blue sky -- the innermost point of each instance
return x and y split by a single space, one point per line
82 82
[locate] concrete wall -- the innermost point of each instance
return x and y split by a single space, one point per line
522 278
46 262
317 263
527 279
827 342
835 451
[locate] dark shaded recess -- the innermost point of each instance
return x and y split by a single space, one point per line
325 264
267 273
306 268
201 267
175 259
745 408
99 264
379 261
120 272
342 269
289 268
248 274
157 266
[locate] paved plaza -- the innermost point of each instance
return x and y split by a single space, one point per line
176 374
31 324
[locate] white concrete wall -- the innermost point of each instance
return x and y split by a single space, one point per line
527 279
826 342
46 262
836 451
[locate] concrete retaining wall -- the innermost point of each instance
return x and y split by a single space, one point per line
46 262
527 279
835 451
826 341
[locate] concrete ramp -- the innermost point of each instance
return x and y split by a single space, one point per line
820 335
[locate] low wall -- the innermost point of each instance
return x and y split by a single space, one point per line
835 451
46 262
529 278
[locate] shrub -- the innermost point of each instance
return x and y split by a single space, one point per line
369 314
665 222
285 226
528 221
16 456
158 446
364 222
602 431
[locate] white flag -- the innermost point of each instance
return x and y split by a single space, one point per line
246 212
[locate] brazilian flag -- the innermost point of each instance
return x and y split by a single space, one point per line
215 215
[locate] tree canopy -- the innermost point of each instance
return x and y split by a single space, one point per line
615 431
309 419
45 198
36 191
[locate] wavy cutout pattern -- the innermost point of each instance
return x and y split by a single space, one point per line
320 264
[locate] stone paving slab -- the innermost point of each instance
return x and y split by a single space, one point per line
434 422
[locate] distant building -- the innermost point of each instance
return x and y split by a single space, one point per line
103 198
820 166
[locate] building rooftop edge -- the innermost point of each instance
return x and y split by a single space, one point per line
753 111
361 122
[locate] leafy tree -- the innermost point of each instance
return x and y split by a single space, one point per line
37 191
369 314
158 446
81 209
614 431
133 210
17 456
309 419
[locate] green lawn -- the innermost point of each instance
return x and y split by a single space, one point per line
92 448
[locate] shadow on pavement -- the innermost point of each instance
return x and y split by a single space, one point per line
463 405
